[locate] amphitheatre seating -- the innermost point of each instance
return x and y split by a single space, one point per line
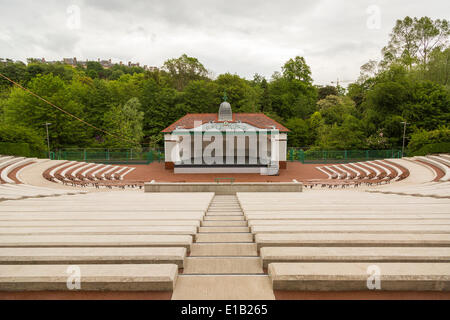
354 276
368 173
353 254
439 165
312 242
99 277
5 172
83 174
135 242
111 255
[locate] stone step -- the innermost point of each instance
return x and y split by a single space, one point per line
224 213
223 249
353 254
227 223
222 265
252 223
94 223
224 229
69 256
353 240
99 277
224 237
100 230
393 228
224 218
96 241
355 276
223 287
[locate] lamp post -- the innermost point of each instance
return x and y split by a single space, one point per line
404 133
48 140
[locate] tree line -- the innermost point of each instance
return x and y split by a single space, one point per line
409 83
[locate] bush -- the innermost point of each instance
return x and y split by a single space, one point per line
422 139
20 141
441 147
15 149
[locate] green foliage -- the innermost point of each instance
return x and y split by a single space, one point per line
124 121
410 84
441 147
421 138
21 141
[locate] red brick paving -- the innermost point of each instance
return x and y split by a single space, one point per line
156 171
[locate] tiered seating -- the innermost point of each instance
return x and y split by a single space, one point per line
314 242
149 233
425 179
87 174
438 162
355 174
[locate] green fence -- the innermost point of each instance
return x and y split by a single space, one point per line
109 156
339 156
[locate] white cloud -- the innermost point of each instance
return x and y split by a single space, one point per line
243 37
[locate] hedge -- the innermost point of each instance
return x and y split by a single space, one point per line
440 147
15 149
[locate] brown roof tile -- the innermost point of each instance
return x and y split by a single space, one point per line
259 120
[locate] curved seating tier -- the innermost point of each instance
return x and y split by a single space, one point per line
367 173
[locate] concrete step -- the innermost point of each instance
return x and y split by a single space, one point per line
353 240
227 223
223 249
69 256
223 287
100 230
96 241
354 276
354 254
224 237
222 265
223 218
393 228
224 213
99 277
224 229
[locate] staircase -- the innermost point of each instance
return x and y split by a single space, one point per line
224 262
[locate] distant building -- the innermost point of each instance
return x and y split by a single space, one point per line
104 63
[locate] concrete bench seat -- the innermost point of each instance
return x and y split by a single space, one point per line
351 216
352 240
16 216
99 230
402 222
93 255
354 254
354 276
133 277
393 228
93 223
15 241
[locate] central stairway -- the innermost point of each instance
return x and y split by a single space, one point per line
224 262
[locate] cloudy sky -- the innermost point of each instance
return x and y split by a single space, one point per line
245 36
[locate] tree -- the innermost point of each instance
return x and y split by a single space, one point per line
124 121
23 109
413 39
324 91
184 69
297 69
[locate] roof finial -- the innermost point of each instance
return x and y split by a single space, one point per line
224 95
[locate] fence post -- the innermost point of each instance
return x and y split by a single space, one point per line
345 154
84 155
367 155
131 154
